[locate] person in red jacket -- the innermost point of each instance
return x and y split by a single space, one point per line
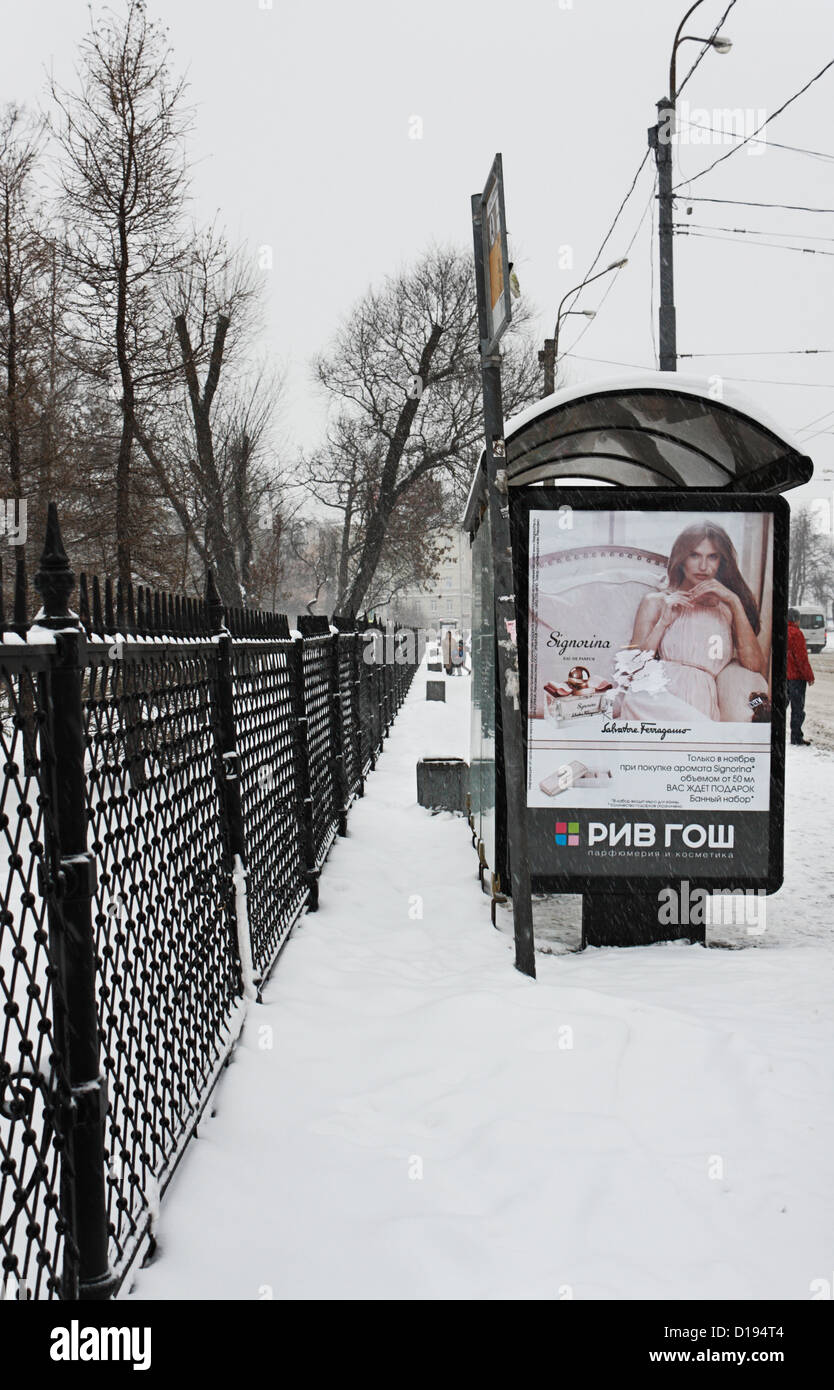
800 675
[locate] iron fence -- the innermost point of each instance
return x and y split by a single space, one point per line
174 775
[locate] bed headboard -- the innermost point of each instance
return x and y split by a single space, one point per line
613 580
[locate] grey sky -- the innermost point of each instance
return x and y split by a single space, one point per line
302 143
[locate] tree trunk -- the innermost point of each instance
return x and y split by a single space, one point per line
218 540
47 430
344 550
123 564
239 481
386 501
128 407
176 501
13 418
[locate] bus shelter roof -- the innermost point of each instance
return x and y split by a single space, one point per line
658 429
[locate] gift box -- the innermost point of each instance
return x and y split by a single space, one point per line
574 775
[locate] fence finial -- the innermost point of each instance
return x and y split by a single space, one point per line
54 580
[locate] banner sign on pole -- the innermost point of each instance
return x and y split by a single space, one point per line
496 256
652 653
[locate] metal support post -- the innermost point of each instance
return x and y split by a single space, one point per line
304 799
660 140
504 596
70 888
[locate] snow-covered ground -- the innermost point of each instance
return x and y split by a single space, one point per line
408 1117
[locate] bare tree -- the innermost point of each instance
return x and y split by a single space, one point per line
218 541
414 541
22 265
315 549
345 476
405 372
124 182
811 554
217 296
252 481
32 295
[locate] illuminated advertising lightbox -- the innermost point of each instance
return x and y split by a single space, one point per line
652 655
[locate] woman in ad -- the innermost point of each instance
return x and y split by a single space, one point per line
705 618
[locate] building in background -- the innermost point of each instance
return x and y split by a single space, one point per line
447 602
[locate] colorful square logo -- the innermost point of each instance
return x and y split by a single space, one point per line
567 832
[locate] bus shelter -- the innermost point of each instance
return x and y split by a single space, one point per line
651 762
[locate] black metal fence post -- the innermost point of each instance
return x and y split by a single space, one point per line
222 715
367 679
396 673
356 701
302 771
400 667
387 683
70 886
379 672
340 787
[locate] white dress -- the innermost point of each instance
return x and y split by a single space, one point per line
695 647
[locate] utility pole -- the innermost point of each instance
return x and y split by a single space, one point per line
660 140
547 360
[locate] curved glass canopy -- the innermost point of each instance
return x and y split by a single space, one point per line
656 430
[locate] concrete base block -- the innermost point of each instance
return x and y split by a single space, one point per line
436 690
443 783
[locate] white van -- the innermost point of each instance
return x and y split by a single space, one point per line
812 622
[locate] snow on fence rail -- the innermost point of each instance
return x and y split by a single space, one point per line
174 774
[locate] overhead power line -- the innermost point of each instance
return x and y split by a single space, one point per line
751 140
751 380
748 138
749 231
745 203
706 48
617 273
824 416
611 362
775 352
768 381
740 241
610 231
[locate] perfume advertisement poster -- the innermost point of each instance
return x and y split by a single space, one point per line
649 660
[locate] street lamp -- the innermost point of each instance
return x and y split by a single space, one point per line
547 356
660 137
720 45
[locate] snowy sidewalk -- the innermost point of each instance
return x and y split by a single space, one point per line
408 1117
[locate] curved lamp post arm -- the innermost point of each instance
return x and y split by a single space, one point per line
615 265
672 64
547 357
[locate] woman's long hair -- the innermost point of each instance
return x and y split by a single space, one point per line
728 573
